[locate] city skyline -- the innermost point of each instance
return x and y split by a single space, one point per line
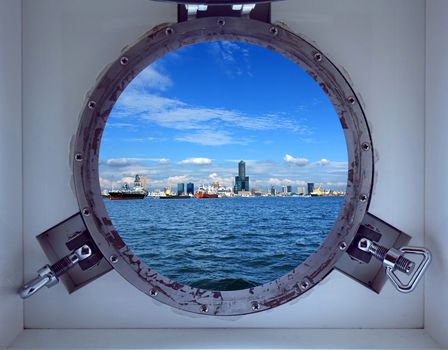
172 130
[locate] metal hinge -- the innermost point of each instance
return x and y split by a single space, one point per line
260 12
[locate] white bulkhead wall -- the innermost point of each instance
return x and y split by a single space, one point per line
436 297
67 43
11 255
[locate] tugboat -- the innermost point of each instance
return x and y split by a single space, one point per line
137 192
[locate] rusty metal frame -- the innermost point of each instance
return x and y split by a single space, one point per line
155 44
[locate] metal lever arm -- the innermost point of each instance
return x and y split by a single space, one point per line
394 259
48 275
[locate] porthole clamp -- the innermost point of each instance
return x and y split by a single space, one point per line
395 260
48 276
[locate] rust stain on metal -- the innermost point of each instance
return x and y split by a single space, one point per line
284 298
350 175
114 238
107 221
343 122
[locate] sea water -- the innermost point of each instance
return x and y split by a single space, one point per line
224 243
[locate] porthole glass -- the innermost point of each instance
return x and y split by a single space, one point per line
223 165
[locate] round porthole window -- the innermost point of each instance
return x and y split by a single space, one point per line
227 206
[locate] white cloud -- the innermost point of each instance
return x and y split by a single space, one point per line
135 102
279 182
296 161
107 183
196 161
150 77
163 161
211 138
323 162
175 114
127 180
177 179
120 162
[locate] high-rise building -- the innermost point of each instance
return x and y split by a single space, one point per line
288 189
190 188
273 191
241 181
144 181
180 189
310 187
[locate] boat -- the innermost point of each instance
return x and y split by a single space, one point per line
203 194
126 193
182 196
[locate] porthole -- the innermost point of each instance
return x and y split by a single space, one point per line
157 43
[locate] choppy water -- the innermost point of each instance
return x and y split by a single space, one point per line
224 243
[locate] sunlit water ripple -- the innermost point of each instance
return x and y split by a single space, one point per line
224 243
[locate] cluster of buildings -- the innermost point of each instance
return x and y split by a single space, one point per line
241 188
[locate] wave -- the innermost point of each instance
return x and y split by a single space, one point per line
226 284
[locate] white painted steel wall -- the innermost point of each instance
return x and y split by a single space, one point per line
11 256
66 44
436 311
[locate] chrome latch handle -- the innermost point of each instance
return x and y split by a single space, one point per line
417 274
47 276
395 259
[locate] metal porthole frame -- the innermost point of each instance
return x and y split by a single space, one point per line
156 43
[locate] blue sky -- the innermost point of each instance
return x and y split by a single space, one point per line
193 114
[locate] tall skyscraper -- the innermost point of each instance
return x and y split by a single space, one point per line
190 188
310 187
241 181
180 189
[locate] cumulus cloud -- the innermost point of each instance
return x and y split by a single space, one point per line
177 179
106 183
196 161
323 162
274 181
296 161
163 161
120 162
127 180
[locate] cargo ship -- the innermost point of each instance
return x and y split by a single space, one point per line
204 193
126 193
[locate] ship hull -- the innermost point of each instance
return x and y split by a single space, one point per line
200 195
126 196
175 197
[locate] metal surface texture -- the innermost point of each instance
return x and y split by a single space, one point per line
155 44
364 262
218 2
65 237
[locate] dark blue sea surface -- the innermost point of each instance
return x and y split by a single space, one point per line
224 243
